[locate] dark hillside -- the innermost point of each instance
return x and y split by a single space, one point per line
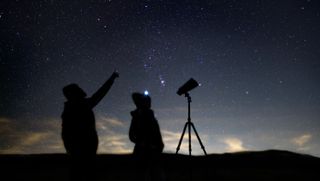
266 165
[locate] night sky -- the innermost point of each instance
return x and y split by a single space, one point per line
258 62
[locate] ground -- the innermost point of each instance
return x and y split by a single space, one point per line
265 165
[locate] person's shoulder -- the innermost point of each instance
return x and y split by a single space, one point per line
150 111
86 100
134 112
67 105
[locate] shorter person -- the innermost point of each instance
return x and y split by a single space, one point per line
145 133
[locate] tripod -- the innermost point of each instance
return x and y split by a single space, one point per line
189 124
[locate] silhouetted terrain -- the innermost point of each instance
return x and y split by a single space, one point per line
265 165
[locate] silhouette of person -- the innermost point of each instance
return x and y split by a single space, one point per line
79 133
145 133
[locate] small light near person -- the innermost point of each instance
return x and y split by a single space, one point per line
146 92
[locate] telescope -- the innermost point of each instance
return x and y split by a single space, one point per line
184 89
188 86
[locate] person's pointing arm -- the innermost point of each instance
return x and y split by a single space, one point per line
103 90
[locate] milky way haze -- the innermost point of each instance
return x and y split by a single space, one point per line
258 63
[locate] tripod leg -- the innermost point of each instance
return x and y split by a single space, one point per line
181 138
189 131
195 131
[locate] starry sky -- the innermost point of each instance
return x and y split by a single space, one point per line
258 63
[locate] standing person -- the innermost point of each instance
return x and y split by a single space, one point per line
145 133
79 133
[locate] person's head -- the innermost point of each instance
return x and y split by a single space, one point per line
73 92
141 101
